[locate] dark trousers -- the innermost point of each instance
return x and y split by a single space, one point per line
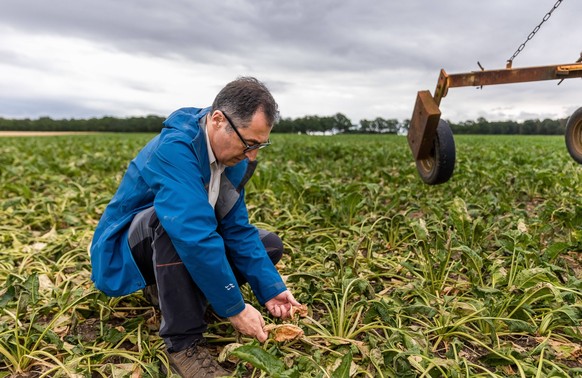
181 302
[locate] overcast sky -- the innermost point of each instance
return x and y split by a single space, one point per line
362 58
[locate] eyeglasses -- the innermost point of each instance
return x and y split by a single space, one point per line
248 147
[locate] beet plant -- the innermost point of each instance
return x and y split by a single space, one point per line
478 277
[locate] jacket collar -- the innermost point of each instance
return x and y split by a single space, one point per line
200 148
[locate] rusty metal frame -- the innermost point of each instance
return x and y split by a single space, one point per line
426 114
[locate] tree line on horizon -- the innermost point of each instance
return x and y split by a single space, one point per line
311 124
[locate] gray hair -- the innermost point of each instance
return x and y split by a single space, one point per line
243 97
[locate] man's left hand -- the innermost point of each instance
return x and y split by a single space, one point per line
280 306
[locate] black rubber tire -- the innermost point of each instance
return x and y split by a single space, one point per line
438 167
574 135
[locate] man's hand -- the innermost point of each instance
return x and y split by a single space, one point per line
249 322
280 306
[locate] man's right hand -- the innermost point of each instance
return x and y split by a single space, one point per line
250 322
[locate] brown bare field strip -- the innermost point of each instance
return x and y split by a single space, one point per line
43 133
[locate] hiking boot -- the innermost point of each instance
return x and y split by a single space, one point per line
196 361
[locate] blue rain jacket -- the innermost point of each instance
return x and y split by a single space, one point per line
172 173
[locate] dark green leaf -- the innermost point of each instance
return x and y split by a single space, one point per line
343 370
265 361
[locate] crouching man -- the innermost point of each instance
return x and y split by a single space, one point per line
178 225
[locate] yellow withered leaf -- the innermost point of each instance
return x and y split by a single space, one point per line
284 332
301 310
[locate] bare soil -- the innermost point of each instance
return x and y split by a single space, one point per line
42 133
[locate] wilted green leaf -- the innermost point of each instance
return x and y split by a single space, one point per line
261 359
526 278
343 370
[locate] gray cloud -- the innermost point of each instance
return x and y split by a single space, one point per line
366 52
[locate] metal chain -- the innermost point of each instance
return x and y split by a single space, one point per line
531 35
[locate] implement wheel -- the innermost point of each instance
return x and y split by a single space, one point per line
438 166
574 135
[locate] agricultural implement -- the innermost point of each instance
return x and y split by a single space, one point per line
430 138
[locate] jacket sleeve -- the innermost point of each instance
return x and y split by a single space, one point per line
248 253
181 203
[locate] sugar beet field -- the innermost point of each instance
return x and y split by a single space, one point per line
478 277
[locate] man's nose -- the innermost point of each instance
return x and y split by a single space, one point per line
252 155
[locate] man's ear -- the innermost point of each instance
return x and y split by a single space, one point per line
216 118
